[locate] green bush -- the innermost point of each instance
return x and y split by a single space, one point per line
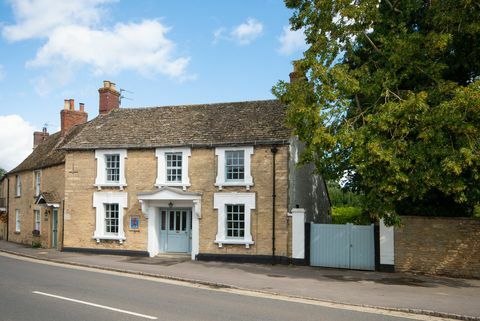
349 214
36 245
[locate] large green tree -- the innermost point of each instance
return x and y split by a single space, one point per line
388 93
2 172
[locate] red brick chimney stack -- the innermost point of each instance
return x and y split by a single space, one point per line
296 73
109 97
70 117
39 137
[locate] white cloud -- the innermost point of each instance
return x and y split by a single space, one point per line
136 46
291 41
75 39
14 129
38 18
248 31
243 34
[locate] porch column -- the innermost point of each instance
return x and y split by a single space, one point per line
152 235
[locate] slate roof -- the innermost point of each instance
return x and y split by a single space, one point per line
49 198
48 153
251 122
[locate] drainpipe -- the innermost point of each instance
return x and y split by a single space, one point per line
274 151
63 225
8 204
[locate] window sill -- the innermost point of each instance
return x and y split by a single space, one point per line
16 232
120 239
120 185
234 242
182 185
227 184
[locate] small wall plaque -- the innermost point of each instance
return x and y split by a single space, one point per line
134 222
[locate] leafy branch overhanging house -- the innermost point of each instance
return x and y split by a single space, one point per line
218 181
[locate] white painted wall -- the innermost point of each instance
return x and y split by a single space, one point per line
387 253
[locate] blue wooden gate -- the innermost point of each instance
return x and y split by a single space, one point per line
342 246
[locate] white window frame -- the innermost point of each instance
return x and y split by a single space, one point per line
161 180
99 201
17 220
37 179
37 220
101 179
18 185
220 200
221 179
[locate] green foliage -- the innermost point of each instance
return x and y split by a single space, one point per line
36 245
389 93
2 172
349 214
340 197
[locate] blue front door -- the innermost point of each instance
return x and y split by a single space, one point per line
178 230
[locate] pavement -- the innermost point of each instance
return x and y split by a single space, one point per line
432 295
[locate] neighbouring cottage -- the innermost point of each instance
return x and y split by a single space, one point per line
217 181
35 188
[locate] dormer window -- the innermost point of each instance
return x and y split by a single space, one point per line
172 167
234 166
111 168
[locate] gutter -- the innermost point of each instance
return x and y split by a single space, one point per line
194 145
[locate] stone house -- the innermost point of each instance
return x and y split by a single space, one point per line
217 181
35 188
3 208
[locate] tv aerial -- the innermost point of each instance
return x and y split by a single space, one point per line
122 96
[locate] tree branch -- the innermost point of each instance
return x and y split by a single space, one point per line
372 43
392 7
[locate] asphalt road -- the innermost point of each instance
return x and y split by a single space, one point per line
34 291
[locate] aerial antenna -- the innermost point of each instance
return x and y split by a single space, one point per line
122 96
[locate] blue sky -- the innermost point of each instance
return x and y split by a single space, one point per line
164 52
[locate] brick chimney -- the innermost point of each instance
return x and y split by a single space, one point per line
297 73
109 97
39 137
70 117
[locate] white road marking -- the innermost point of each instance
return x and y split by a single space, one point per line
96 305
245 292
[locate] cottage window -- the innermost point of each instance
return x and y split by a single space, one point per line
37 183
234 218
109 215
111 218
36 214
18 185
111 168
172 167
234 167
17 220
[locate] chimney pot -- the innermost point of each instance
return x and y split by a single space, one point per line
106 84
82 107
112 86
72 104
66 104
